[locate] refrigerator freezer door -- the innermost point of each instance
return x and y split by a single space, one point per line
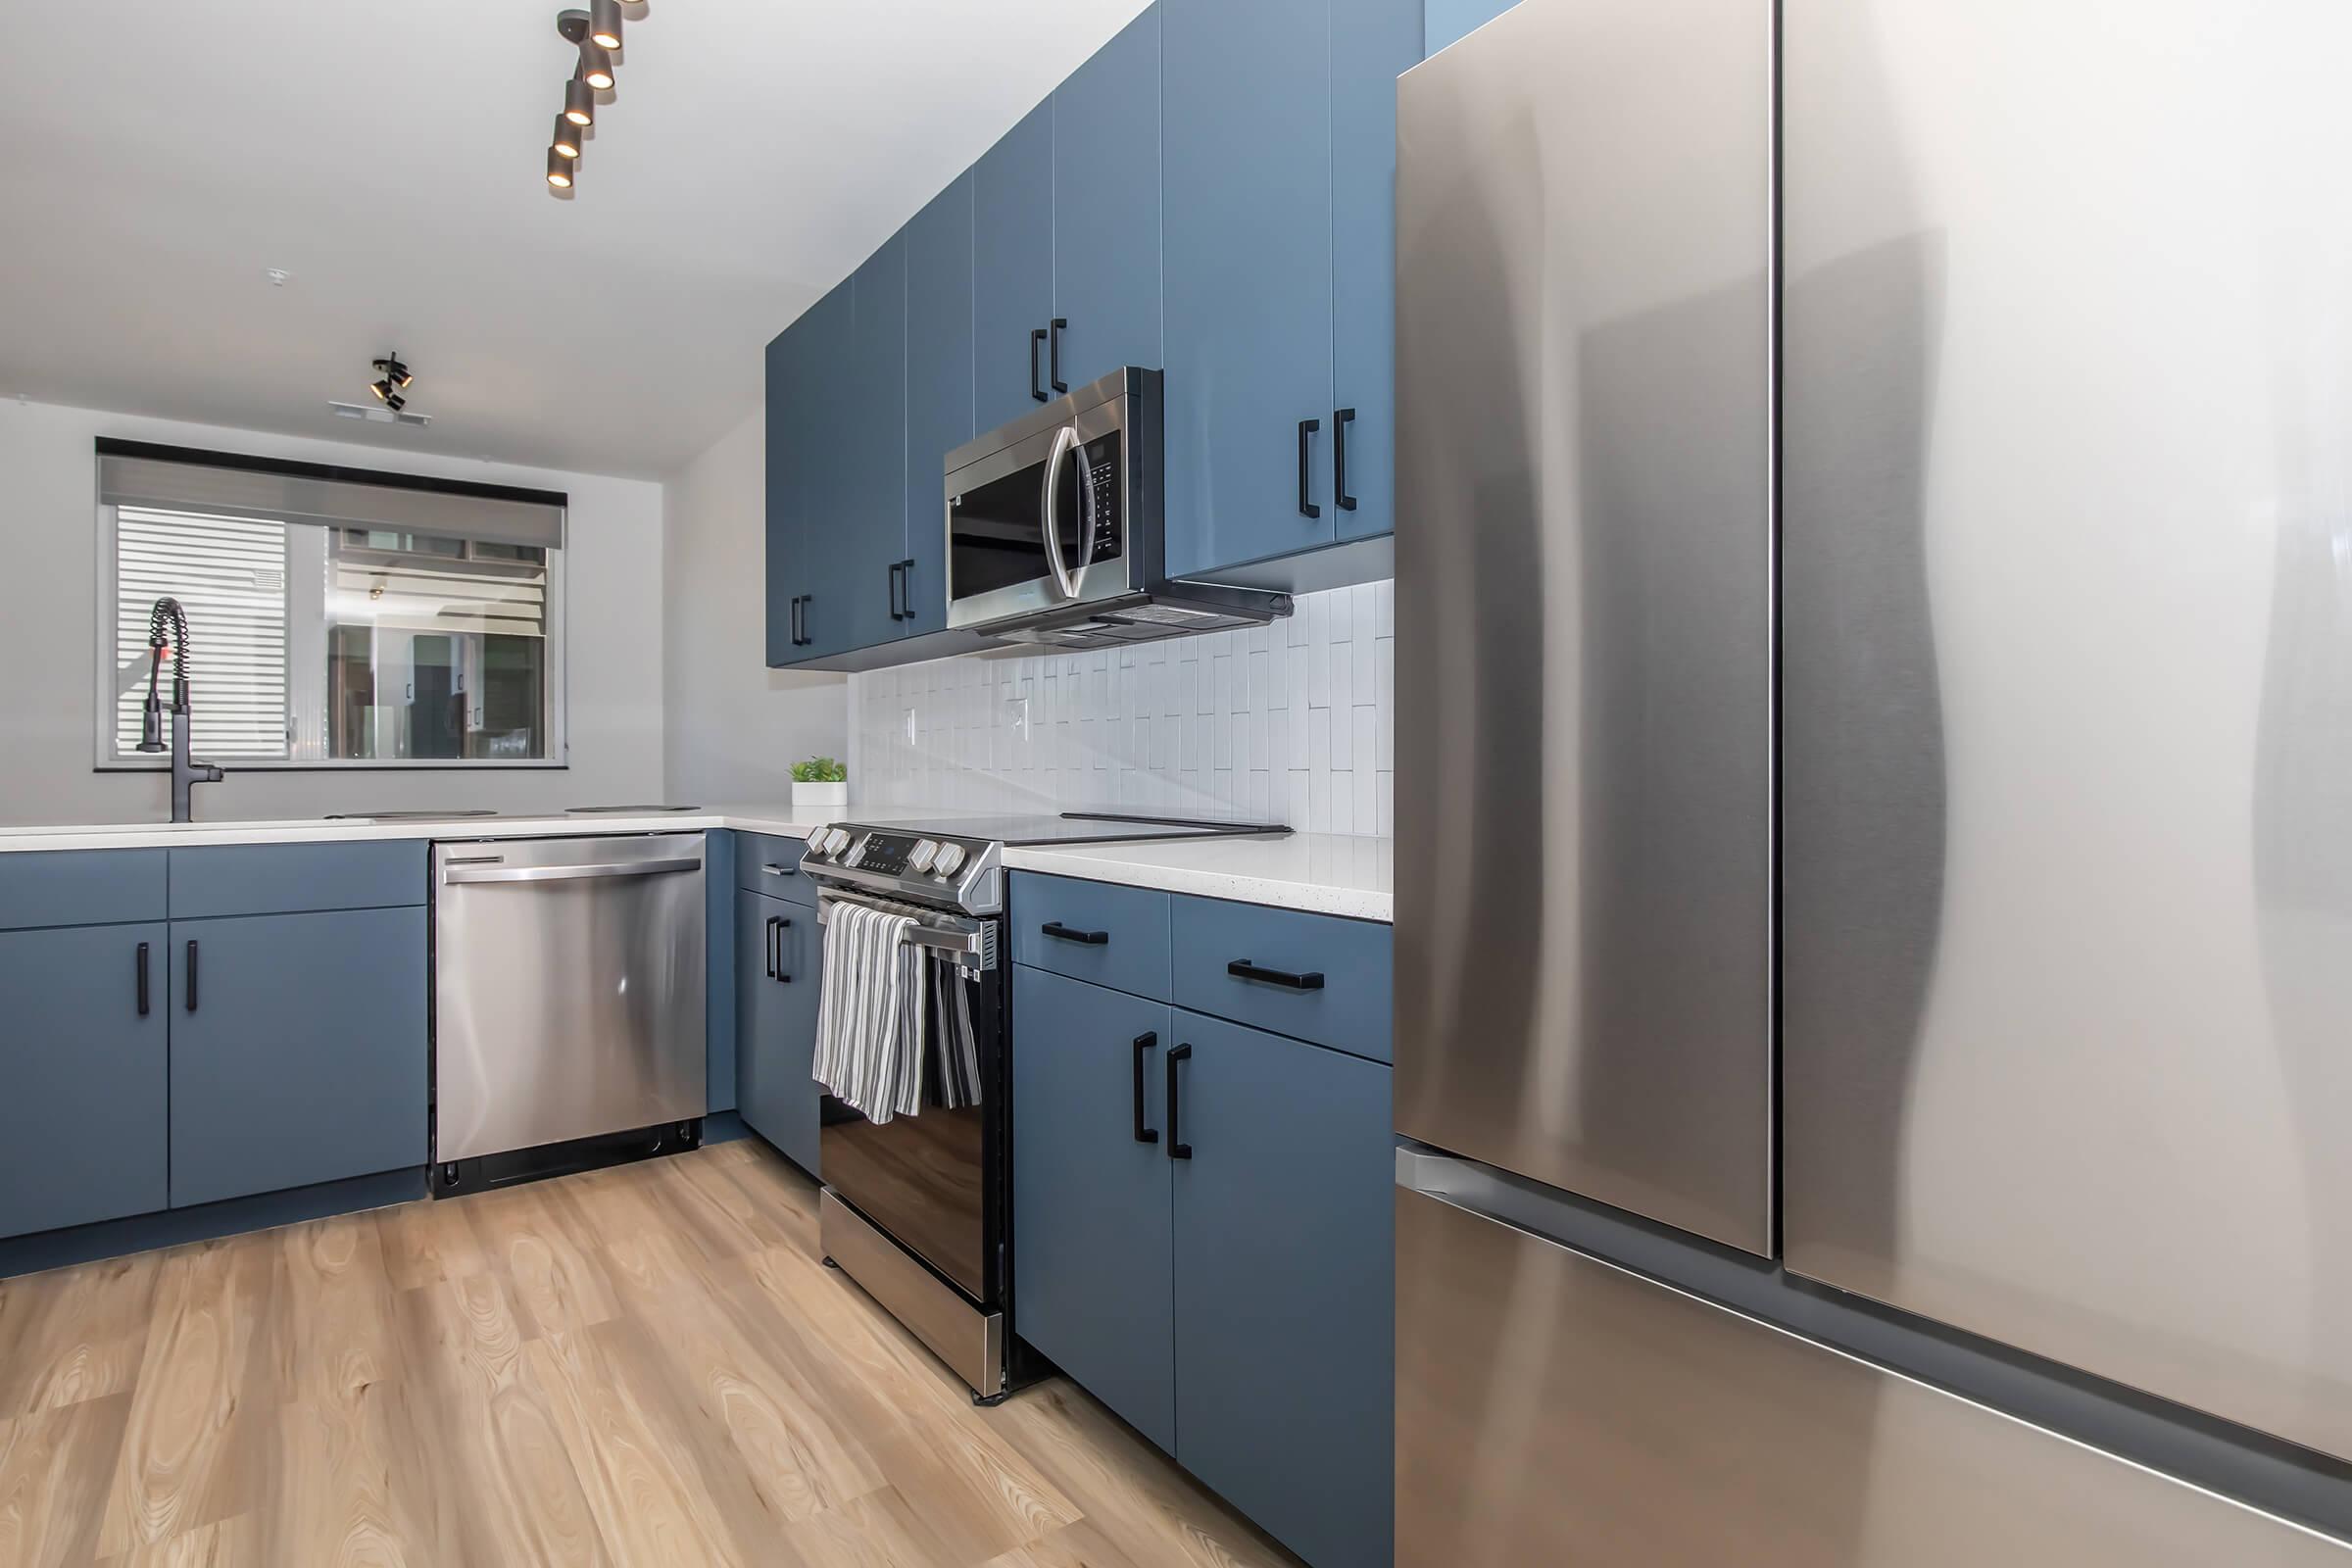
1584 575
2067 705
1552 1408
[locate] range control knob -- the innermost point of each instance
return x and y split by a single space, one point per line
836 839
951 860
926 852
856 854
815 849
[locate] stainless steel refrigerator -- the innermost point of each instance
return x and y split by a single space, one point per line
1874 495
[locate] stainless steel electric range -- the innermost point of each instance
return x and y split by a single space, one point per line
918 1209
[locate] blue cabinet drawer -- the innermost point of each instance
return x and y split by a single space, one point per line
1100 931
80 887
1314 976
296 878
770 864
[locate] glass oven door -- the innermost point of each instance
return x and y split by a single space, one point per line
937 1181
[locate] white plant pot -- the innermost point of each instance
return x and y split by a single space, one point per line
806 795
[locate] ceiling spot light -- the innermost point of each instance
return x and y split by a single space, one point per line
559 170
603 25
596 64
579 101
567 137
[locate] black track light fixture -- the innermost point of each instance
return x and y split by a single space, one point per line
567 138
559 170
596 64
604 24
392 379
579 101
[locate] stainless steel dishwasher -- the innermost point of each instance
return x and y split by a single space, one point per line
567 1004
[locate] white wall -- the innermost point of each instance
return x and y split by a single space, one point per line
48 497
734 726
1296 721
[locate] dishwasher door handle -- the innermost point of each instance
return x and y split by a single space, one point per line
567 873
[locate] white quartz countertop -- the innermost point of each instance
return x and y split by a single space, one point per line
1324 873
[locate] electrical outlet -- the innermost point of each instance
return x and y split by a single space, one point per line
1017 714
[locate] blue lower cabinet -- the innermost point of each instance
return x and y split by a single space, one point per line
83 1073
298 1050
1091 1239
778 957
1284 1286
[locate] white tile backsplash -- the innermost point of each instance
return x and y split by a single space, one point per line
1296 721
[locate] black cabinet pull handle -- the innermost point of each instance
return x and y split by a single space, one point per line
1307 507
893 592
1092 939
1244 969
800 621
142 979
782 925
1037 338
906 589
1341 420
771 947
1142 1134
1054 356
191 975
1177 1150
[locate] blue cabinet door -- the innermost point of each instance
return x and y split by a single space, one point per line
831 545
1091 1216
83 1075
1372 44
1247 264
875 452
777 957
1107 208
298 1050
1285 1316
787 462
1012 266
939 390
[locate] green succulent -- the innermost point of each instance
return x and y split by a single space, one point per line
819 770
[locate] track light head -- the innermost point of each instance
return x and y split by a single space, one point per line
567 137
579 101
393 371
604 24
559 170
596 67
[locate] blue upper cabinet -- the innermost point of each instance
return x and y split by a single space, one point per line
1380 41
1448 20
939 392
1247 269
786 473
826 550
1106 211
1013 269
873 449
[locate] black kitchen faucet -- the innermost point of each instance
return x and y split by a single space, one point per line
168 620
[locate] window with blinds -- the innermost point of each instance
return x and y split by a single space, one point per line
229 575
333 617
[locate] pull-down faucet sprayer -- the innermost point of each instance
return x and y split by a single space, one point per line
167 629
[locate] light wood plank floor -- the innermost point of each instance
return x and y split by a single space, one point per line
641 1365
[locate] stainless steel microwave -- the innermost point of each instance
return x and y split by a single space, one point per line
1053 528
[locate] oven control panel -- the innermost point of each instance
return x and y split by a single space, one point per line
965 873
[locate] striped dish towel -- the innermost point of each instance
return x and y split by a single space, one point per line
870 1023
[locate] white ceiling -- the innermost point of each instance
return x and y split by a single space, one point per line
157 158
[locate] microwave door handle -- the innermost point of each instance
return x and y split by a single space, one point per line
1063 440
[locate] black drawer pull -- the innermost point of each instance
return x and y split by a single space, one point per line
1142 1134
142 979
1054 356
1037 338
783 925
1177 1150
1307 507
1341 420
1244 969
1092 939
191 976
771 947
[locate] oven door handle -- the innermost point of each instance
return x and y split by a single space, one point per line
568 873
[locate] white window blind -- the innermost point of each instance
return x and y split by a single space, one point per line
229 573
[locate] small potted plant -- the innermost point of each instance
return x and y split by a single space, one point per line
820 781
